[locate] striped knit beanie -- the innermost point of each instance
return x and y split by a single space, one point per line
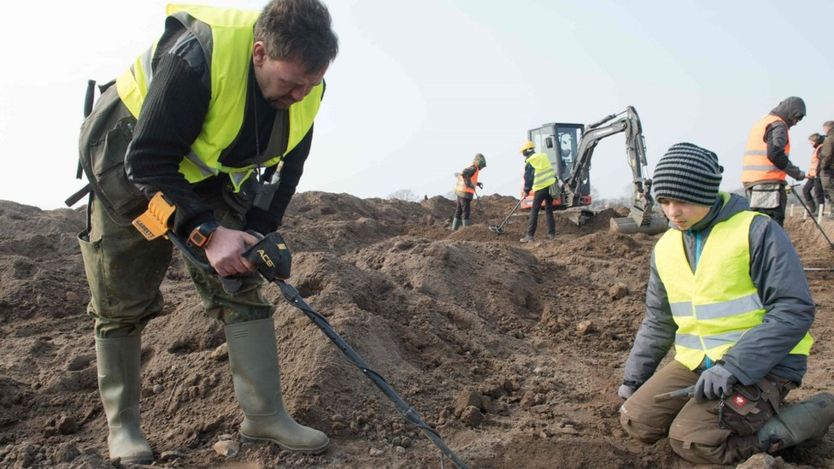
688 173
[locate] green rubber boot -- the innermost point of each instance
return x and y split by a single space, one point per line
118 362
798 422
466 222
455 224
253 357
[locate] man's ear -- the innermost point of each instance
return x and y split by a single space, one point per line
259 54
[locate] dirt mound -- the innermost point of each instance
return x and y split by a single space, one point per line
512 351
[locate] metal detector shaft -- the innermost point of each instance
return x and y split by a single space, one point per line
500 228
813 216
293 297
408 412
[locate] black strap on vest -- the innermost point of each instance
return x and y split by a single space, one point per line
89 99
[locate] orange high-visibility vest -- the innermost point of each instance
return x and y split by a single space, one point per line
462 189
815 160
757 167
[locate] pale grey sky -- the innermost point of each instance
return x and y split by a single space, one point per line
419 87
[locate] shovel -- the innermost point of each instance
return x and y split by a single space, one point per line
499 229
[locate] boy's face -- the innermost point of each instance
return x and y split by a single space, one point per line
683 215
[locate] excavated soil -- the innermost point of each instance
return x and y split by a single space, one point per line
512 351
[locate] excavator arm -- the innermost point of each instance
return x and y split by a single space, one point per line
627 122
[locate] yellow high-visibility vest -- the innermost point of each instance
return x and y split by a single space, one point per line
544 175
716 305
227 36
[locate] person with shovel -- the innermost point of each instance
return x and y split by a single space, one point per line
727 289
222 95
465 190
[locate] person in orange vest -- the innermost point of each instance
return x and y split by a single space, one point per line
826 155
465 191
812 190
767 159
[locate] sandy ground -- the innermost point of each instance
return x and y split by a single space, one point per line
513 352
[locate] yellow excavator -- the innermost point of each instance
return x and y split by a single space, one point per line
570 148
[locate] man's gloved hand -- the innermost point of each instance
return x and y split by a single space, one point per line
271 257
800 175
480 185
625 391
713 383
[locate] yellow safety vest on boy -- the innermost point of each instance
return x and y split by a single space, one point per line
717 304
227 36
544 175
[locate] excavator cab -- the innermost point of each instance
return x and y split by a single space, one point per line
570 148
560 142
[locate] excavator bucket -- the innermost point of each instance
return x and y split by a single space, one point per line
627 225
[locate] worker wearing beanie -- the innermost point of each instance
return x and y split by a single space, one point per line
726 288
767 159
465 191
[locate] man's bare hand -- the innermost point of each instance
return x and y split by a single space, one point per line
224 251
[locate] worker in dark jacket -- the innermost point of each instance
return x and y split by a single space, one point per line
812 190
727 289
465 191
539 178
223 95
827 163
767 159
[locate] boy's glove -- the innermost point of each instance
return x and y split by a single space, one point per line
714 382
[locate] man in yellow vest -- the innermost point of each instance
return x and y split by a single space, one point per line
812 190
539 176
727 289
465 191
217 115
767 159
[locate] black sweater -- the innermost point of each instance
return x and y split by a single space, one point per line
172 117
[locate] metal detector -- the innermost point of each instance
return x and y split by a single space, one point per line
811 215
499 229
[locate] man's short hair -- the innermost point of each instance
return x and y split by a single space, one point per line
298 30
828 125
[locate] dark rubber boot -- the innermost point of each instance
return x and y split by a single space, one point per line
798 422
118 364
253 357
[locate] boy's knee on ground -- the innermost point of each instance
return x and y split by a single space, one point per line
643 431
698 442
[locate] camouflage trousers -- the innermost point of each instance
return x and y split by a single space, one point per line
124 272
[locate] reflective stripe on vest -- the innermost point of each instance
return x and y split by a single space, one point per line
227 37
545 175
716 305
815 161
462 188
756 165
